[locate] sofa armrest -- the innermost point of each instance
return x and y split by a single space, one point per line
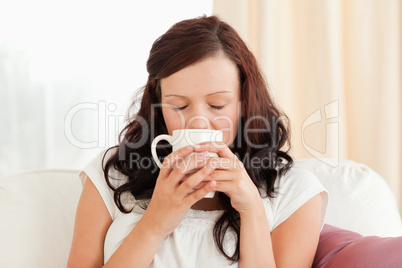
360 200
37 212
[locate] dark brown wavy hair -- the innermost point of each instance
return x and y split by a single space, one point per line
183 44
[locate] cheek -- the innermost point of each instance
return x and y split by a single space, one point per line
172 120
228 125
232 136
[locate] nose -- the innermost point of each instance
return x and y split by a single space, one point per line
197 119
198 122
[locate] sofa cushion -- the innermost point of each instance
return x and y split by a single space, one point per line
342 248
359 198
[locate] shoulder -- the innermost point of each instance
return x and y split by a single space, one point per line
94 170
292 190
296 179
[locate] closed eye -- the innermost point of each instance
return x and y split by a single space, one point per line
179 108
217 107
212 106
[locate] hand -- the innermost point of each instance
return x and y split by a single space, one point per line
171 199
231 177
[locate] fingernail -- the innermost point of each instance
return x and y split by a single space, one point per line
212 164
189 147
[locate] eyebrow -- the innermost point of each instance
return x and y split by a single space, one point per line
218 92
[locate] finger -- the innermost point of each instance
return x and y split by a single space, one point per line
194 179
221 175
224 186
216 175
234 186
201 184
200 193
215 147
187 166
174 157
227 163
193 163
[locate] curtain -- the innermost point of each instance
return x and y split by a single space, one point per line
334 67
69 71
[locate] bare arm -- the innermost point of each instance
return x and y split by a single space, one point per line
138 249
92 221
295 240
255 239
292 244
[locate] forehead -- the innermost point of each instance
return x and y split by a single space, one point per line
212 74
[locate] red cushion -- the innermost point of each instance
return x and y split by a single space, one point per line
342 248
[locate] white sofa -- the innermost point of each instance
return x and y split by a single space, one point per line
37 209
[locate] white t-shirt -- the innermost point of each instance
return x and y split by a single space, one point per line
192 243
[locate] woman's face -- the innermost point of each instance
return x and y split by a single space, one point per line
204 95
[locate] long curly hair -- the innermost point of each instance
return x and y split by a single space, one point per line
185 43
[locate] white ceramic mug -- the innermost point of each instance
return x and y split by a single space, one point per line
184 137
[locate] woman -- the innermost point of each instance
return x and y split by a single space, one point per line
266 212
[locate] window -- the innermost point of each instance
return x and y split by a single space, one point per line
69 71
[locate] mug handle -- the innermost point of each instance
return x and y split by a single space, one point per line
166 137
